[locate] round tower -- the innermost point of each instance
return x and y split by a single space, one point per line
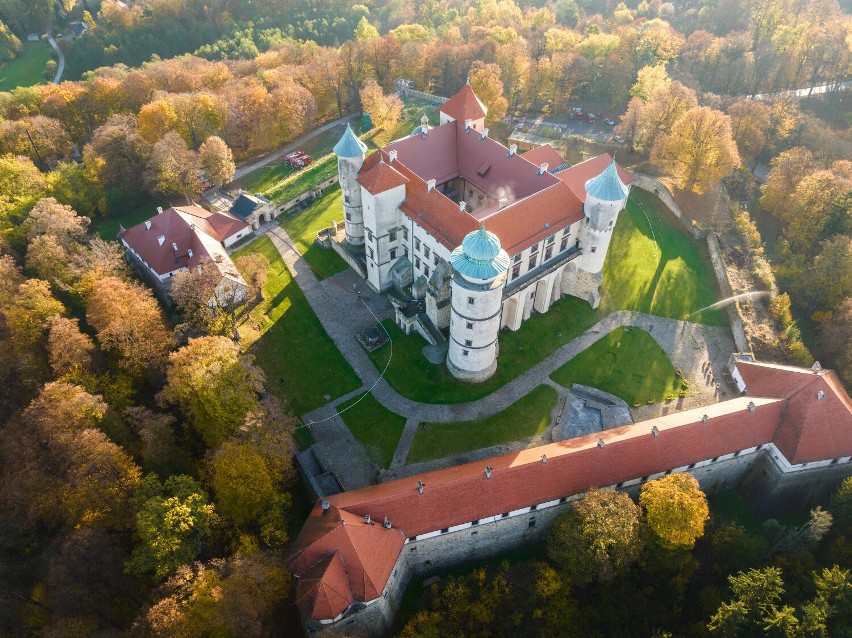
606 196
480 266
350 153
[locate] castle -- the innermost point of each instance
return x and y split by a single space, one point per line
483 235
788 438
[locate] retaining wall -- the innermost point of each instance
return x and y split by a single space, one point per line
437 99
737 325
655 186
331 181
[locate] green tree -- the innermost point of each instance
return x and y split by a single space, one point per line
217 160
754 610
598 537
649 78
241 482
384 109
675 509
172 167
215 386
172 521
486 84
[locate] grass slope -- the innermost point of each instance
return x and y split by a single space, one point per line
627 363
527 417
376 428
303 229
132 211
664 273
28 66
302 365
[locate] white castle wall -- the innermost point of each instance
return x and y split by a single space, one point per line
382 217
348 168
596 231
474 324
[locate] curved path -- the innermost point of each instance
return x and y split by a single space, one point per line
690 347
60 68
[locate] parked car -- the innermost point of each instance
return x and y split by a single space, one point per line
591 117
609 122
297 159
618 139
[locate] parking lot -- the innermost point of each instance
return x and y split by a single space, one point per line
597 131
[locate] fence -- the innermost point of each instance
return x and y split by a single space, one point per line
411 93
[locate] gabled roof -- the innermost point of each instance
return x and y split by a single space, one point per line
544 153
380 178
245 204
323 591
219 226
349 145
464 105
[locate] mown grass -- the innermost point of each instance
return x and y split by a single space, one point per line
627 363
304 226
527 417
128 213
303 366
28 66
374 426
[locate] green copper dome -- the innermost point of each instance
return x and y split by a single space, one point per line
607 187
349 145
480 256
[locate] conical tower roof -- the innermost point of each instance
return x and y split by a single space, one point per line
349 145
480 256
607 187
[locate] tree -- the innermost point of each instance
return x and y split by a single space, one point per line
835 345
47 260
215 386
128 322
172 520
207 300
828 282
172 168
117 152
68 348
40 138
749 122
699 151
598 537
649 78
49 217
486 84
384 109
364 31
675 509
241 482
160 450
217 160
666 106
797 539
294 109
254 268
158 118
754 606
786 172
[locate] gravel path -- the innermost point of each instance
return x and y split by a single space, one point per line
60 67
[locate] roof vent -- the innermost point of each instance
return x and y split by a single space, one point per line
705 418
816 368
546 225
159 210
488 471
751 406
484 134
467 125
387 523
325 506
147 224
420 486
543 459
189 252
543 168
174 246
161 239
368 520
655 431
820 395
601 442
462 206
424 121
392 156
513 148
501 203
430 184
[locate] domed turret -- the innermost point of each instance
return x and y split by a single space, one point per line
606 196
480 266
350 153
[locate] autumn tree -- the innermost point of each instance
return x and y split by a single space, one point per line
157 118
827 282
834 344
294 109
675 509
217 160
658 117
172 168
117 153
215 386
40 138
68 347
173 519
786 172
160 451
598 537
384 109
699 151
49 217
129 323
649 78
241 482
749 122
200 116
254 268
486 84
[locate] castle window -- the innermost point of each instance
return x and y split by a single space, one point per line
437 259
550 239
417 262
348 217
534 249
532 522
610 223
470 325
470 301
405 251
416 244
426 252
548 253
563 244
566 232
426 271
715 458
588 219
533 261
445 530
594 249
465 353
759 447
468 342
369 234
346 199
392 235
393 253
644 479
504 515
516 270
476 522
372 254
517 258
405 233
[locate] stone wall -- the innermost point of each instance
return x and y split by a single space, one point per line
411 93
737 325
331 181
655 186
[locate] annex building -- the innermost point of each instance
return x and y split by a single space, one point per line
788 437
481 235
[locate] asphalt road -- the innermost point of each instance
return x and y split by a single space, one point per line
60 68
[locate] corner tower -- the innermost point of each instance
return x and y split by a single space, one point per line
350 153
606 196
480 266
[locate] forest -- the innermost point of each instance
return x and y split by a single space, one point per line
147 479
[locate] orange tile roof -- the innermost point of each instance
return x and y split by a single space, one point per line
464 105
323 591
544 153
380 178
218 225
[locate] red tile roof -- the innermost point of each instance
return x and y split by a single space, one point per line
464 105
323 591
544 153
220 226
380 178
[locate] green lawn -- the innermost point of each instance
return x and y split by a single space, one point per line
527 417
302 365
303 229
28 67
281 183
671 277
413 376
376 428
627 363
128 213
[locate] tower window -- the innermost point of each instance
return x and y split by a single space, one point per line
405 251
392 235
417 262
436 259
416 244
426 271
393 253
369 234
594 249
588 219
468 342
372 254
426 252
405 233
348 217
346 199
470 325
465 353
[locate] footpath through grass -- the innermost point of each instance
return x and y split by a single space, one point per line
304 226
627 363
527 417
303 366
376 428
28 66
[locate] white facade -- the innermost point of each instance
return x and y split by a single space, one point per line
348 168
596 230
474 326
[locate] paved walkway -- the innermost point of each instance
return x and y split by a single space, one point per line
690 347
60 68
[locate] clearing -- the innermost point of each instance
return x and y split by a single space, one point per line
27 69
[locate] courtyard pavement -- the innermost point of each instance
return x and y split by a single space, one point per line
699 351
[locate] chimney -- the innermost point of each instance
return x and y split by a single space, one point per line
430 184
387 523
424 121
189 252
161 239
484 134
325 506
655 431
174 246
601 442
467 125
705 418
543 459
488 471
368 520
159 210
543 168
392 156
751 406
147 224
462 206
420 486
501 203
513 148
